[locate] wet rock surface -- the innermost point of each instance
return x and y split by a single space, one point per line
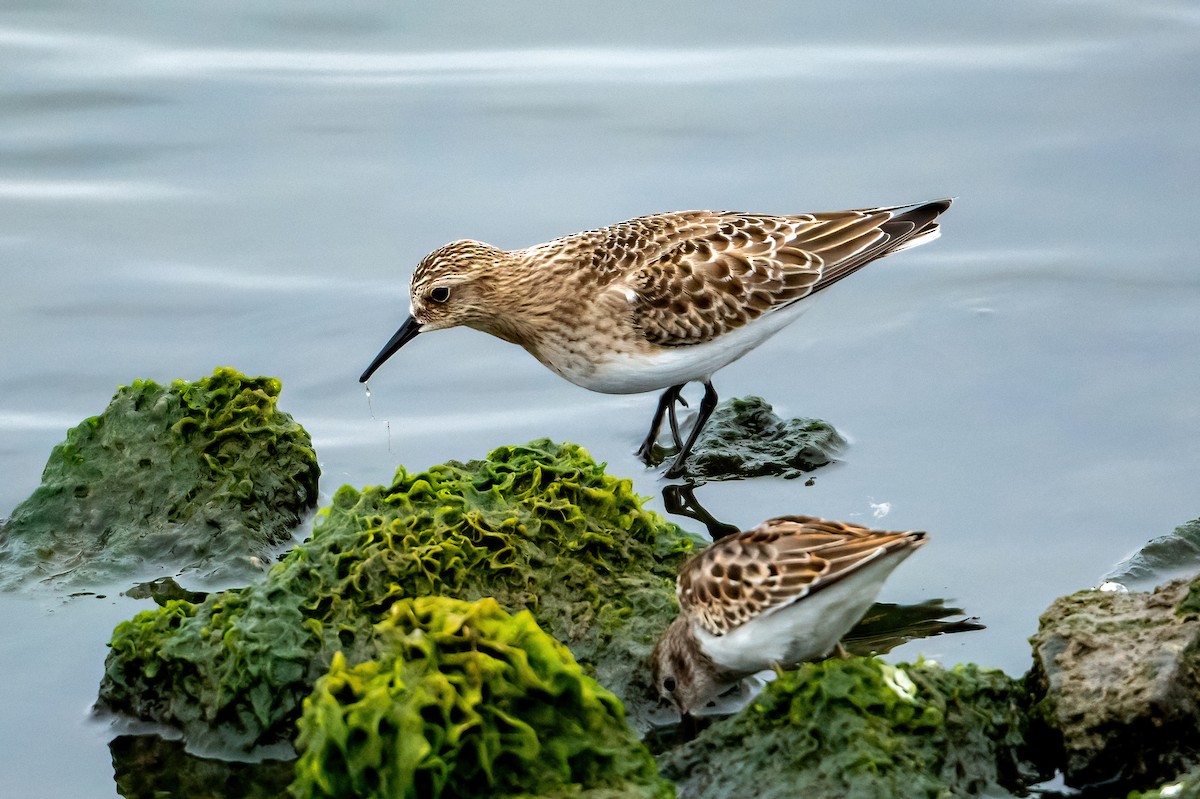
1176 554
1116 678
744 438
200 477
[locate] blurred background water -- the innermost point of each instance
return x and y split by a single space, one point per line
251 185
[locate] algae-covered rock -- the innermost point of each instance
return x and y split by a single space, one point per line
1117 679
539 527
465 700
859 728
196 476
744 437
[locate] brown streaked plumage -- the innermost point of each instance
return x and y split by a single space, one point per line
782 593
657 301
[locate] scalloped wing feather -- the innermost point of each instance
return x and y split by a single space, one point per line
777 563
708 273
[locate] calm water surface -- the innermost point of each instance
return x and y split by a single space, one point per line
252 185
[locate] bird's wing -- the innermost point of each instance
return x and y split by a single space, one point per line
779 562
723 270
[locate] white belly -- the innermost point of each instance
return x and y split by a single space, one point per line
804 630
633 373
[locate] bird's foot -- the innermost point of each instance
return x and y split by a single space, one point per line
677 468
645 452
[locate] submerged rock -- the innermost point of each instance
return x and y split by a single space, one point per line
200 477
860 728
539 527
465 700
746 438
1170 556
1117 679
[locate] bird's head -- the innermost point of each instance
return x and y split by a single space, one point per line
450 287
683 674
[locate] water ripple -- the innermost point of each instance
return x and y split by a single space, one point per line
88 190
100 56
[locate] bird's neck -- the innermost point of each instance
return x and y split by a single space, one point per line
527 301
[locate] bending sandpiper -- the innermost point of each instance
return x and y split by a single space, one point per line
655 302
780 594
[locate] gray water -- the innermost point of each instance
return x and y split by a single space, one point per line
183 187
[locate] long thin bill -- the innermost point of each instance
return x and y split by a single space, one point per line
407 332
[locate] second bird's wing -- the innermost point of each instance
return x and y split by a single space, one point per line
779 562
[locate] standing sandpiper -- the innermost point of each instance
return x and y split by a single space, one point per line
777 595
657 301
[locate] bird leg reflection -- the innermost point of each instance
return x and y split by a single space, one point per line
681 501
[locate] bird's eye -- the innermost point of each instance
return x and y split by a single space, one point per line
669 685
440 294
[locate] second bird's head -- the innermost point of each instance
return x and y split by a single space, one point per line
450 287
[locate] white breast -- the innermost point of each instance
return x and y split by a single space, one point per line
662 367
806 629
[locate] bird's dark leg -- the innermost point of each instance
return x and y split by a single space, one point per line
706 408
679 400
665 402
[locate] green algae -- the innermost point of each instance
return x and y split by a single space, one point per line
862 729
539 527
466 700
1190 604
199 476
744 438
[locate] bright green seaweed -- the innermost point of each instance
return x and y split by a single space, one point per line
467 701
199 476
861 729
539 527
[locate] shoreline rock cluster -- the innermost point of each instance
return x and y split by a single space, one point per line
482 629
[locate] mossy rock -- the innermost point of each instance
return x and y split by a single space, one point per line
466 700
201 477
539 527
861 729
744 438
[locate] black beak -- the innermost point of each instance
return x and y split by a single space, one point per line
407 332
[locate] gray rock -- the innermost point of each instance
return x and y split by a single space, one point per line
1115 679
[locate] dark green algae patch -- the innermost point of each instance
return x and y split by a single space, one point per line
745 438
862 729
199 477
538 527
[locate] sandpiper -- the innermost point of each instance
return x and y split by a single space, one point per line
780 594
654 302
